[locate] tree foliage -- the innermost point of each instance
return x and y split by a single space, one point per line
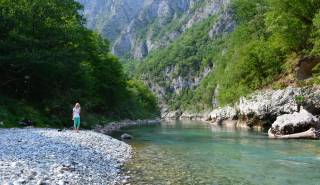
50 60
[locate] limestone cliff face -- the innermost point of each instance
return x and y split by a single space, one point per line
136 27
172 81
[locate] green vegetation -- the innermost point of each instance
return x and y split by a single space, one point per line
189 55
255 55
49 61
269 32
299 99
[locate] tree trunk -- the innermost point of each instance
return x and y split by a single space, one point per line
309 134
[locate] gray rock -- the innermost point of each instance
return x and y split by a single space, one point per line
269 103
294 123
265 106
126 136
221 114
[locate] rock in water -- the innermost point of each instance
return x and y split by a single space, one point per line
126 136
294 123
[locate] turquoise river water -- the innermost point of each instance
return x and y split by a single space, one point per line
197 153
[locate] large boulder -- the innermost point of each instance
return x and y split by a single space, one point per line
269 104
294 123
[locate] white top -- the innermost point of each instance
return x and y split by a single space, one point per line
76 112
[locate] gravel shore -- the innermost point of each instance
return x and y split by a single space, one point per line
47 156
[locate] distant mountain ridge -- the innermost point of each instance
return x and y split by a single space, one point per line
135 28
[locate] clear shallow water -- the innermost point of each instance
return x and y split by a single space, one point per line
195 153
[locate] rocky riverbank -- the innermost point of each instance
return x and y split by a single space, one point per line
262 109
48 156
115 126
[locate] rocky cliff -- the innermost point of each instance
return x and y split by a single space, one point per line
263 107
137 27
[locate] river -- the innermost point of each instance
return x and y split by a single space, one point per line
197 153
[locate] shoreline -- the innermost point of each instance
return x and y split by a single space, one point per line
49 156
116 126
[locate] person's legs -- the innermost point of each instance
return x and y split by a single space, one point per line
77 123
74 123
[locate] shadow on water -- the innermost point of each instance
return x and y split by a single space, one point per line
196 153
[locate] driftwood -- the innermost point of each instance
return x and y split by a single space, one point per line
309 134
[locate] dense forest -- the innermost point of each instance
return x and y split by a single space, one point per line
269 38
49 60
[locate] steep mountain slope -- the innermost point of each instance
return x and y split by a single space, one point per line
175 72
137 27
202 70
191 27
212 52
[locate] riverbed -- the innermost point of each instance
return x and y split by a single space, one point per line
197 153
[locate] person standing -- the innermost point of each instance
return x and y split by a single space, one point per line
76 117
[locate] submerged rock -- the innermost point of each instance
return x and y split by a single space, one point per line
294 123
126 136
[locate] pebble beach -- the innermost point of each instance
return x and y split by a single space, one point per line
49 156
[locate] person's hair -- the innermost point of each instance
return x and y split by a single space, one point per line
77 104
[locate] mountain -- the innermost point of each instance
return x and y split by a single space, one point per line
135 28
200 54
